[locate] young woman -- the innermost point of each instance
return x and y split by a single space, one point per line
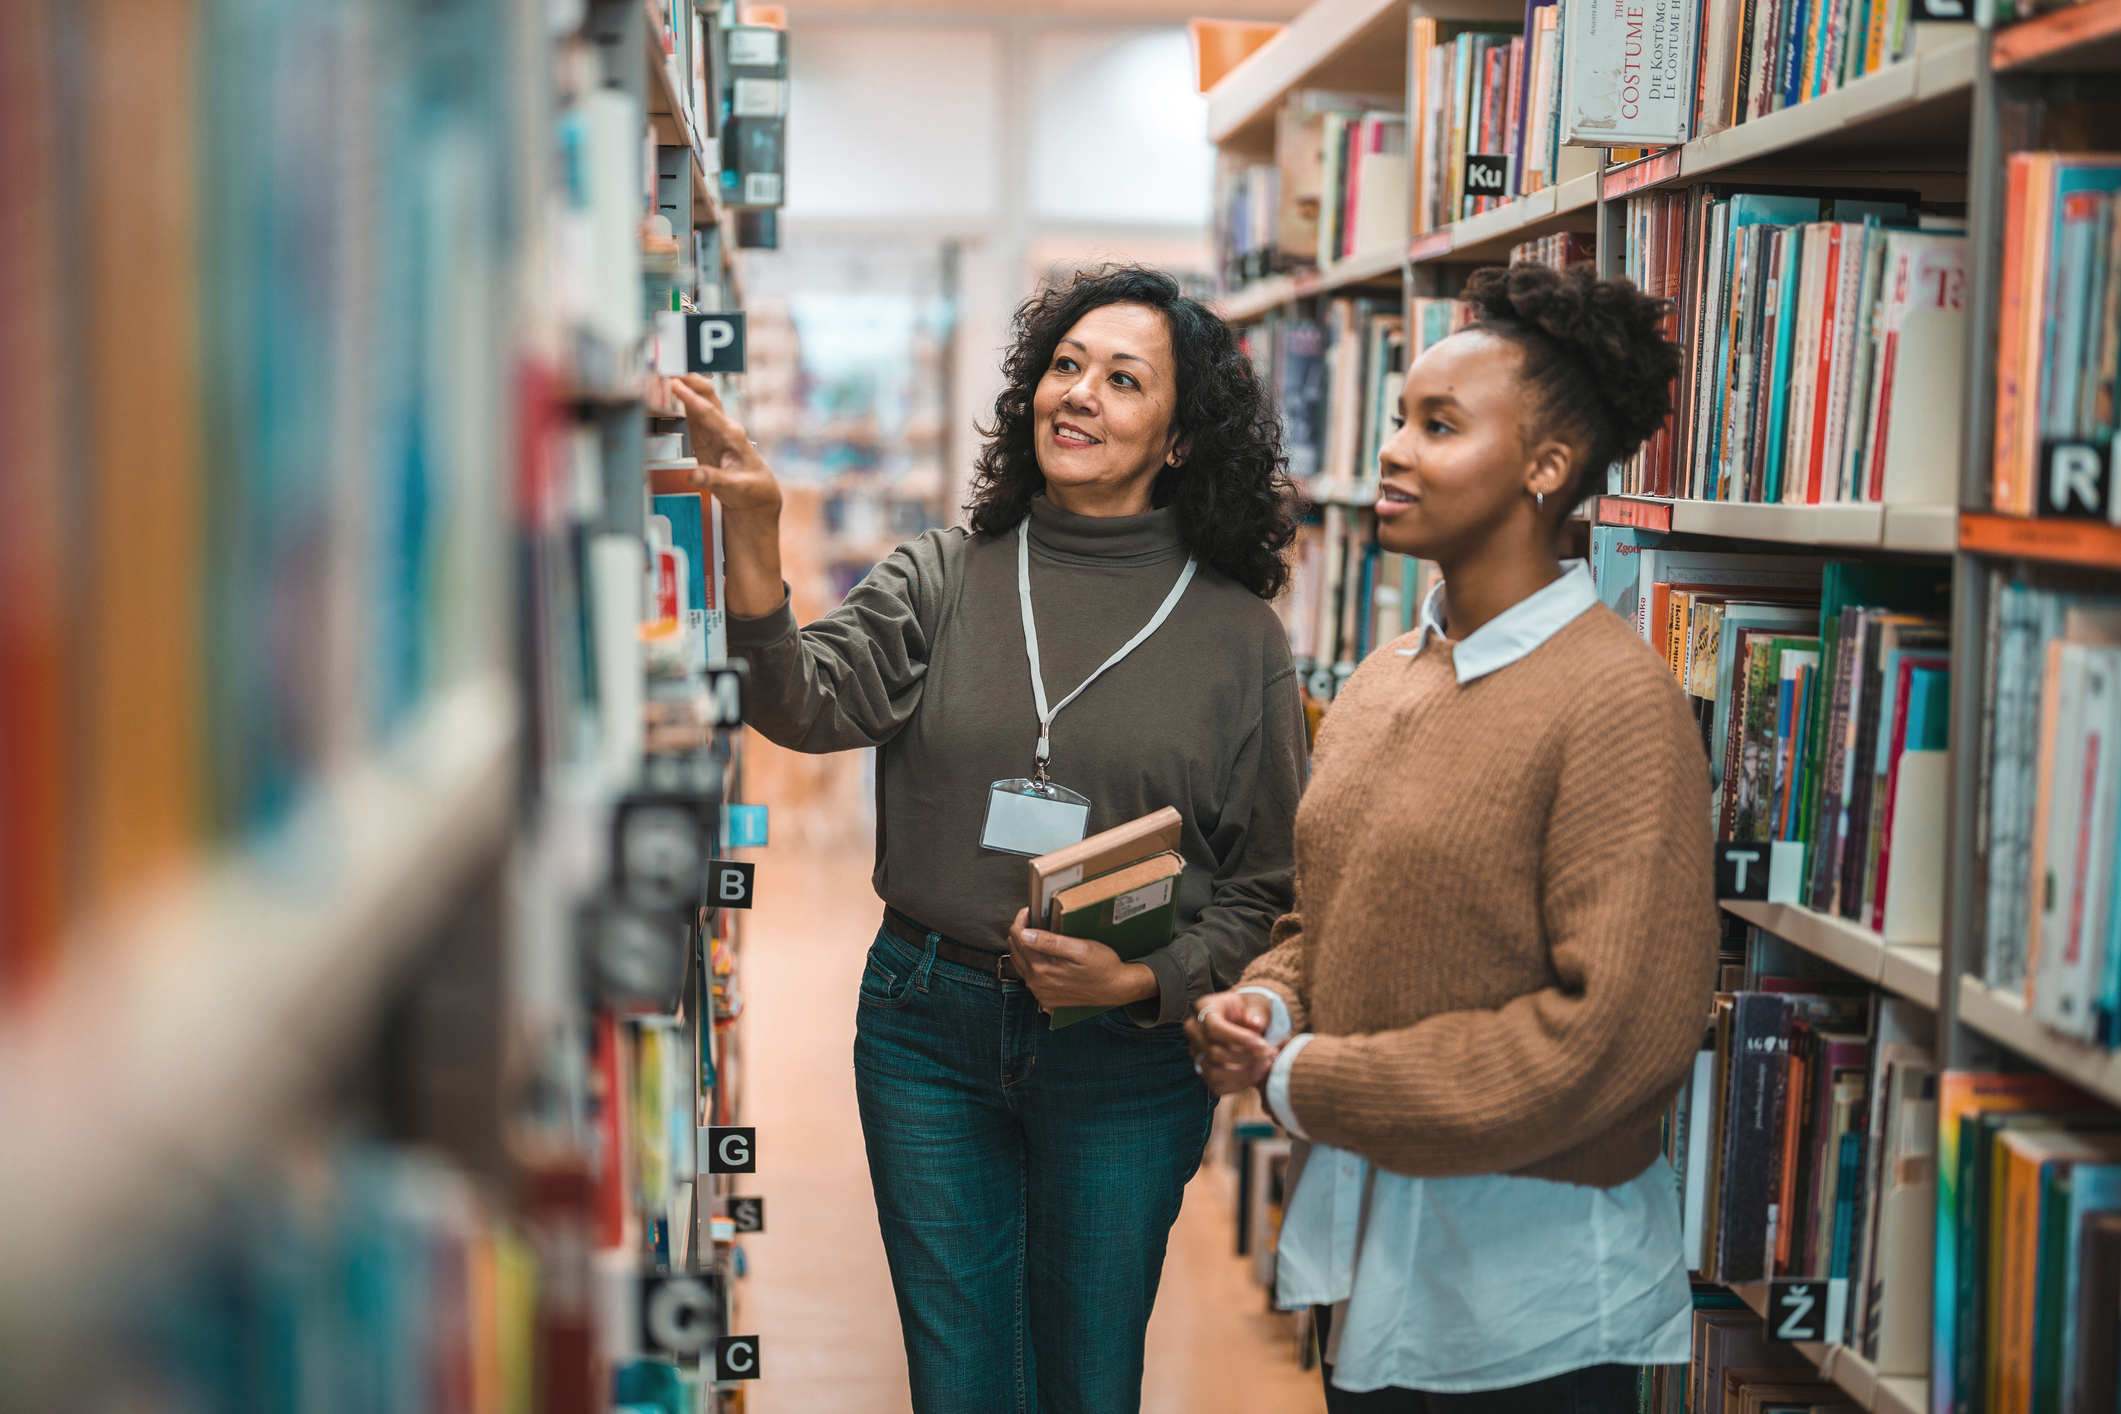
1501 961
1131 493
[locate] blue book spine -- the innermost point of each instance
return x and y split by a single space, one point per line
1785 336
688 532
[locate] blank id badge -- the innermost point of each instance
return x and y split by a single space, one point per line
1033 817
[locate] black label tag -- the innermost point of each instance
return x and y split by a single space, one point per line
747 1214
2075 480
1742 870
725 695
1796 1310
714 343
729 884
732 1150
680 1315
736 1357
1487 174
1943 10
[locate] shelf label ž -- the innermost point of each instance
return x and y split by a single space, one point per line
1808 1309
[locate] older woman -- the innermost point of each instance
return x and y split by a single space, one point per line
1127 528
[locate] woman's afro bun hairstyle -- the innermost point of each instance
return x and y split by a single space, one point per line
1594 349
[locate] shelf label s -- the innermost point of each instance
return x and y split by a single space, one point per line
748 1214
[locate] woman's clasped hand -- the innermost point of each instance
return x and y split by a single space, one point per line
1227 1033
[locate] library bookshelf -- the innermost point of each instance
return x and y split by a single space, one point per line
1940 122
377 694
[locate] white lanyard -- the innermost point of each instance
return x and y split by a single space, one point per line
1038 681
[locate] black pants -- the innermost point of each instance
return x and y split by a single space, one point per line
1600 1389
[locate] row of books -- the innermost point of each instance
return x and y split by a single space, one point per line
1822 690
1755 59
1345 597
1785 1141
1337 188
1337 381
1560 250
364 1277
2052 805
2060 337
1737 1366
2028 1255
1816 328
280 550
1487 91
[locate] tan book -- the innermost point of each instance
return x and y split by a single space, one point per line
1101 853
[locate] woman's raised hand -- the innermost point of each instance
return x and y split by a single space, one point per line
1227 1032
732 471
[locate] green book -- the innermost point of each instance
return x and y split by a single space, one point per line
1131 911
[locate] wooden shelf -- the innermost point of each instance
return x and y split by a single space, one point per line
1489 236
1859 524
1258 298
2003 1018
2082 37
1899 116
188 1022
2068 542
666 114
1849 1371
1906 969
1347 46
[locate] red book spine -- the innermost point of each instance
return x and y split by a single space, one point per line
1823 375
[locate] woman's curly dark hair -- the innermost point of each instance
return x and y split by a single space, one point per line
1236 507
1594 349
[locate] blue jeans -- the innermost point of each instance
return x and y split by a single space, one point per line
1026 1181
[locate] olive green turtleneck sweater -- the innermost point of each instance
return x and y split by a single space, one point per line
925 661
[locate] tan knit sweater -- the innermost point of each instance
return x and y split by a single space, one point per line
1505 928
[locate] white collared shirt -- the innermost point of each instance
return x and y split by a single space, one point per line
1482 1282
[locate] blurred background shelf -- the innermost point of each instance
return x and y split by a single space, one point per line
2081 37
1349 46
136 1078
1256 299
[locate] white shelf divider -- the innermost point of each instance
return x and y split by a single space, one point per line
187 1022
2002 1017
1864 525
1906 969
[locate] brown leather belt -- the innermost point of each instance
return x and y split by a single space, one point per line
998 965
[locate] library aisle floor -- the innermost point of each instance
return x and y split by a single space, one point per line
820 1295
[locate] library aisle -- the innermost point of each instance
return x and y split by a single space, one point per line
821 1292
